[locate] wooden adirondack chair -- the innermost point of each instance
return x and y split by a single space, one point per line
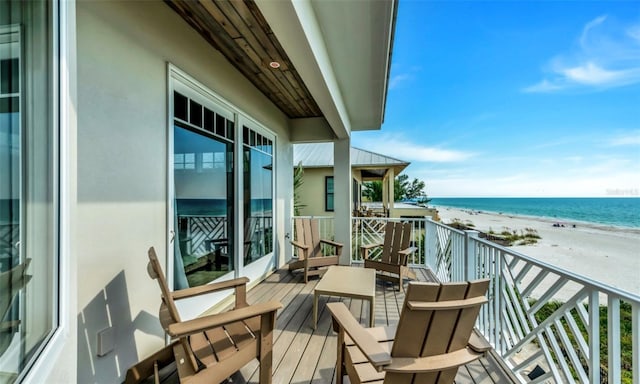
209 349
434 337
392 265
309 245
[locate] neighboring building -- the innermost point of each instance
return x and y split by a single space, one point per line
317 192
125 125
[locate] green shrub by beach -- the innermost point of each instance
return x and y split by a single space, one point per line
507 237
527 236
458 224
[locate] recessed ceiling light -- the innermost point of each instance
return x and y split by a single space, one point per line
274 65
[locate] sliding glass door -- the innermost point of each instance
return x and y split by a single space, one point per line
257 195
203 175
221 188
28 185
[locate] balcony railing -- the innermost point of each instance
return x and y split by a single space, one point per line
544 321
548 324
370 230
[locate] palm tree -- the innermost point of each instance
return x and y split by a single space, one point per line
297 183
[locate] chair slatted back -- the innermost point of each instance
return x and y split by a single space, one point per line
397 237
308 233
168 311
423 333
155 272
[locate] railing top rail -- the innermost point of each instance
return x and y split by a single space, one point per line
410 219
312 217
602 287
372 218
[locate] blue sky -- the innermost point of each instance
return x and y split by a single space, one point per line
512 98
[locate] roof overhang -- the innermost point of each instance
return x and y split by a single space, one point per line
342 51
323 62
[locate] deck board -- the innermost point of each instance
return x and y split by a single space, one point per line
304 355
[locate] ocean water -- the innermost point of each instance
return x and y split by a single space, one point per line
615 211
217 207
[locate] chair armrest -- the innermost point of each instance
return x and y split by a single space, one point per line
447 304
407 251
364 249
478 343
404 255
332 243
376 355
299 245
369 246
201 324
432 363
208 288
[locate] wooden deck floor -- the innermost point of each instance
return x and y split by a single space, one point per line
302 355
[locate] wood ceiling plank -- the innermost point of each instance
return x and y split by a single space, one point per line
251 42
304 99
255 22
239 31
285 100
216 13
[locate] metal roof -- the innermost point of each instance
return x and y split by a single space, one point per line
320 155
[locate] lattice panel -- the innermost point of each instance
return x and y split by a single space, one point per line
201 229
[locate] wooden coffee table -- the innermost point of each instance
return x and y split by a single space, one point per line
354 282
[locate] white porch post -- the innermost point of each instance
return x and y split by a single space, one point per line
391 177
342 196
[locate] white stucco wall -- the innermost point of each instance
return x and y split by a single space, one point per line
123 50
312 192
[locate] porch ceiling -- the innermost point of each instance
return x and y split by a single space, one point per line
334 56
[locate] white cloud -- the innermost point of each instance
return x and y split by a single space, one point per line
410 151
634 32
632 138
543 87
608 56
570 176
589 26
397 79
528 184
592 74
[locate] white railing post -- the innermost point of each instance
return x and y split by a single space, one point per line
635 336
497 300
470 252
594 337
430 241
613 339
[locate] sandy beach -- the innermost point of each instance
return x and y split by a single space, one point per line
607 254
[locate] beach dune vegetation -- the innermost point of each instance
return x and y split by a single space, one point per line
508 237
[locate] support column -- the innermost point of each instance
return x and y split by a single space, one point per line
342 196
391 178
385 188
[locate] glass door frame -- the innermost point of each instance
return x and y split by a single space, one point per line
257 269
182 82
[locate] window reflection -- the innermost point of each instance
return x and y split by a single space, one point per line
258 196
203 178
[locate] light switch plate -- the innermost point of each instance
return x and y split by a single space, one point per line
106 341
